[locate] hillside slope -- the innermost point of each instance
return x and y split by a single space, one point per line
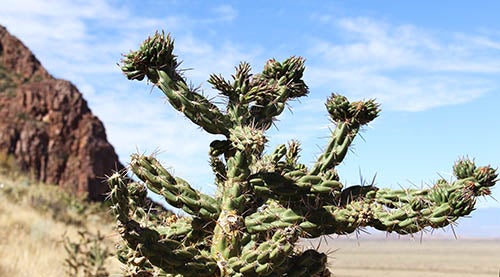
47 127
35 218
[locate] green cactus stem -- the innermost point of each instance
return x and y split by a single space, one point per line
264 202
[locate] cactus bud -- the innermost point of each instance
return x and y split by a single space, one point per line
486 175
464 168
154 54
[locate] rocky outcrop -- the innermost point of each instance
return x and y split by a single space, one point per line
47 126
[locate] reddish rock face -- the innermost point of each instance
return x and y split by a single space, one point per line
48 127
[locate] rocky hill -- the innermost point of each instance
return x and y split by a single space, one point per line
47 128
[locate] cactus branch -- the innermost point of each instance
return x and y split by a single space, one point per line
177 192
154 245
349 118
402 211
156 61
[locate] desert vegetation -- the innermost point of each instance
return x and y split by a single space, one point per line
271 215
265 201
37 220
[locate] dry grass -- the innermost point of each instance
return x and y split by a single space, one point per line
32 226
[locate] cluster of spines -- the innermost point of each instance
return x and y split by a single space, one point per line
156 53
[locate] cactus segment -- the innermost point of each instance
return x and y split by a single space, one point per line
156 247
349 117
176 191
156 61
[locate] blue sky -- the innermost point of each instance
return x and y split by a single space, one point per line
433 66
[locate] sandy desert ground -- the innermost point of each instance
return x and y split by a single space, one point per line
413 257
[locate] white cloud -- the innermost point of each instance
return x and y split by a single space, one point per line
83 40
205 58
225 13
405 67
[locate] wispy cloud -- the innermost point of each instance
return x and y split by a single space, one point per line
206 58
75 36
405 67
82 41
225 12
89 36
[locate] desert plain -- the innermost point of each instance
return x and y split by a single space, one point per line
412 256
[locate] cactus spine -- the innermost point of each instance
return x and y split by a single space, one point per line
264 202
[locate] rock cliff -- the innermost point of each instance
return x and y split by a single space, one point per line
47 127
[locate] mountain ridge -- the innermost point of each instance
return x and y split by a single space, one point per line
47 127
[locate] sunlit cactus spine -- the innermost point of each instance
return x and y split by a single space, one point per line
264 202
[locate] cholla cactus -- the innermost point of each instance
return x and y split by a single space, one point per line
264 202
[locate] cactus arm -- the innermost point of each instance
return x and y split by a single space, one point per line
240 93
278 154
336 150
195 106
177 192
257 100
409 211
156 61
119 196
279 176
279 82
349 118
296 187
167 254
401 211
189 230
282 160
